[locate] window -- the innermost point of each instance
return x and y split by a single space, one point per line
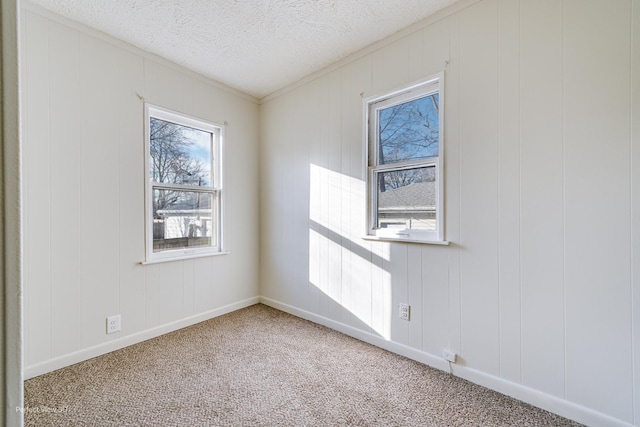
405 153
183 185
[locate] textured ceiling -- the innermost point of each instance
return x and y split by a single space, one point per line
256 46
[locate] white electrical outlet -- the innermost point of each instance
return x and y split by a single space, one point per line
113 324
449 355
404 311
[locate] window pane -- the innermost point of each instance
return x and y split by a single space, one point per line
409 131
179 154
183 219
407 199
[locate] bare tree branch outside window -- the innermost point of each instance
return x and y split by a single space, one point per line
406 180
408 131
172 148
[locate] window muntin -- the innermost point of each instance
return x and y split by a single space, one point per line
404 137
183 185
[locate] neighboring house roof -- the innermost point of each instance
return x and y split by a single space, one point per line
421 195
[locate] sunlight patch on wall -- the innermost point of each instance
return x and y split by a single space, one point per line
345 268
339 203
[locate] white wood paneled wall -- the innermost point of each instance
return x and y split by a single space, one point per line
538 292
83 186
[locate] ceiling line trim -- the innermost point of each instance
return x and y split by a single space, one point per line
413 28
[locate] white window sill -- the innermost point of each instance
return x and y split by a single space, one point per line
181 258
404 240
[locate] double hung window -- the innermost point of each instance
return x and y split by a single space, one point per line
183 185
405 156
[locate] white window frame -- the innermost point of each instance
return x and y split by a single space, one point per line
430 85
215 189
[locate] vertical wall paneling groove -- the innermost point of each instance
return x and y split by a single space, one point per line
131 191
453 177
346 137
287 200
396 272
635 207
509 188
293 220
297 228
380 290
415 297
478 145
166 86
390 67
202 289
323 195
64 134
541 205
435 49
99 194
170 283
564 206
316 226
37 207
188 291
597 261
334 189
435 299
415 58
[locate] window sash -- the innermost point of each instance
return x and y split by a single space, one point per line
405 233
200 148
372 105
186 229
214 190
182 120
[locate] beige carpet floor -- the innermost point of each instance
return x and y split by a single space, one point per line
262 367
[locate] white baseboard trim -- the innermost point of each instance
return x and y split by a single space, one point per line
378 341
107 347
534 397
